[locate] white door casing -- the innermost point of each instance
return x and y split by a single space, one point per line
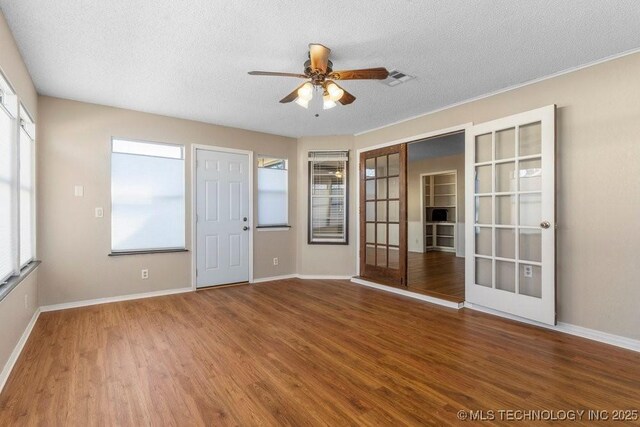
223 210
510 205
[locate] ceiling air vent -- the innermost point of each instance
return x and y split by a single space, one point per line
396 77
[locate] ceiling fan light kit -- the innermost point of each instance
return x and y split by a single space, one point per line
318 70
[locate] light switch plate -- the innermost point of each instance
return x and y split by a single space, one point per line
78 191
99 212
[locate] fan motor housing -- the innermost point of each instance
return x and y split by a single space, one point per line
317 77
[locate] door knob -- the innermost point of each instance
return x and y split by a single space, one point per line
245 228
545 224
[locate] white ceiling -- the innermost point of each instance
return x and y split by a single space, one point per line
190 59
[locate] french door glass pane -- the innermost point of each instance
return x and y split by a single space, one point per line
530 245
483 272
394 211
370 168
381 260
530 139
394 188
484 245
505 210
505 177
371 233
394 258
382 211
506 243
382 233
394 234
382 188
530 175
370 191
371 211
483 148
506 275
484 213
370 255
530 280
394 164
530 209
506 144
381 166
483 179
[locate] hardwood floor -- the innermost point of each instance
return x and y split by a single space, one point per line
298 352
440 274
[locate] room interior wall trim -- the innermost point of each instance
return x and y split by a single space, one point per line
567 328
274 278
85 303
426 298
17 350
507 89
323 277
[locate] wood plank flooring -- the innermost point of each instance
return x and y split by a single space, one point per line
435 273
299 353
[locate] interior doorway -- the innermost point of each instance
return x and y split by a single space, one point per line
435 216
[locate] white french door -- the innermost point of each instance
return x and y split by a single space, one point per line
510 210
222 217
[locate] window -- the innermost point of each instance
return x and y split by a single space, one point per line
27 188
17 149
273 184
328 197
147 196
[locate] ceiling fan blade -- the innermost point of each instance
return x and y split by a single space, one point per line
380 73
319 56
276 74
292 96
347 98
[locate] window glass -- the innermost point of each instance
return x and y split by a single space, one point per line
273 199
328 196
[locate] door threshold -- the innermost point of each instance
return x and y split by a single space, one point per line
410 294
226 285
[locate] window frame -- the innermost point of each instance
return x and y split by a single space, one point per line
340 242
285 225
18 114
116 252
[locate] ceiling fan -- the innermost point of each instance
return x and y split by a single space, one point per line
318 70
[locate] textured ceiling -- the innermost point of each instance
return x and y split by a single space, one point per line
190 59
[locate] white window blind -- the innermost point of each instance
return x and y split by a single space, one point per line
147 196
8 232
328 193
273 184
27 188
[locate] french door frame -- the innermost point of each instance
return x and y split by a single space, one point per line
426 135
193 204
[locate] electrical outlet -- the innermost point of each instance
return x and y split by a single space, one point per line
528 271
144 274
78 191
275 261
99 212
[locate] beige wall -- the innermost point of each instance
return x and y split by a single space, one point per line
14 316
598 184
332 260
74 149
414 191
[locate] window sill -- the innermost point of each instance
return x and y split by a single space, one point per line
156 251
274 228
15 280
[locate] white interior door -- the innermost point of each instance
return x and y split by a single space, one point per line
222 217
510 205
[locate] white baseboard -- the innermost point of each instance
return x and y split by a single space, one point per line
13 358
432 300
274 278
567 328
322 277
85 303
